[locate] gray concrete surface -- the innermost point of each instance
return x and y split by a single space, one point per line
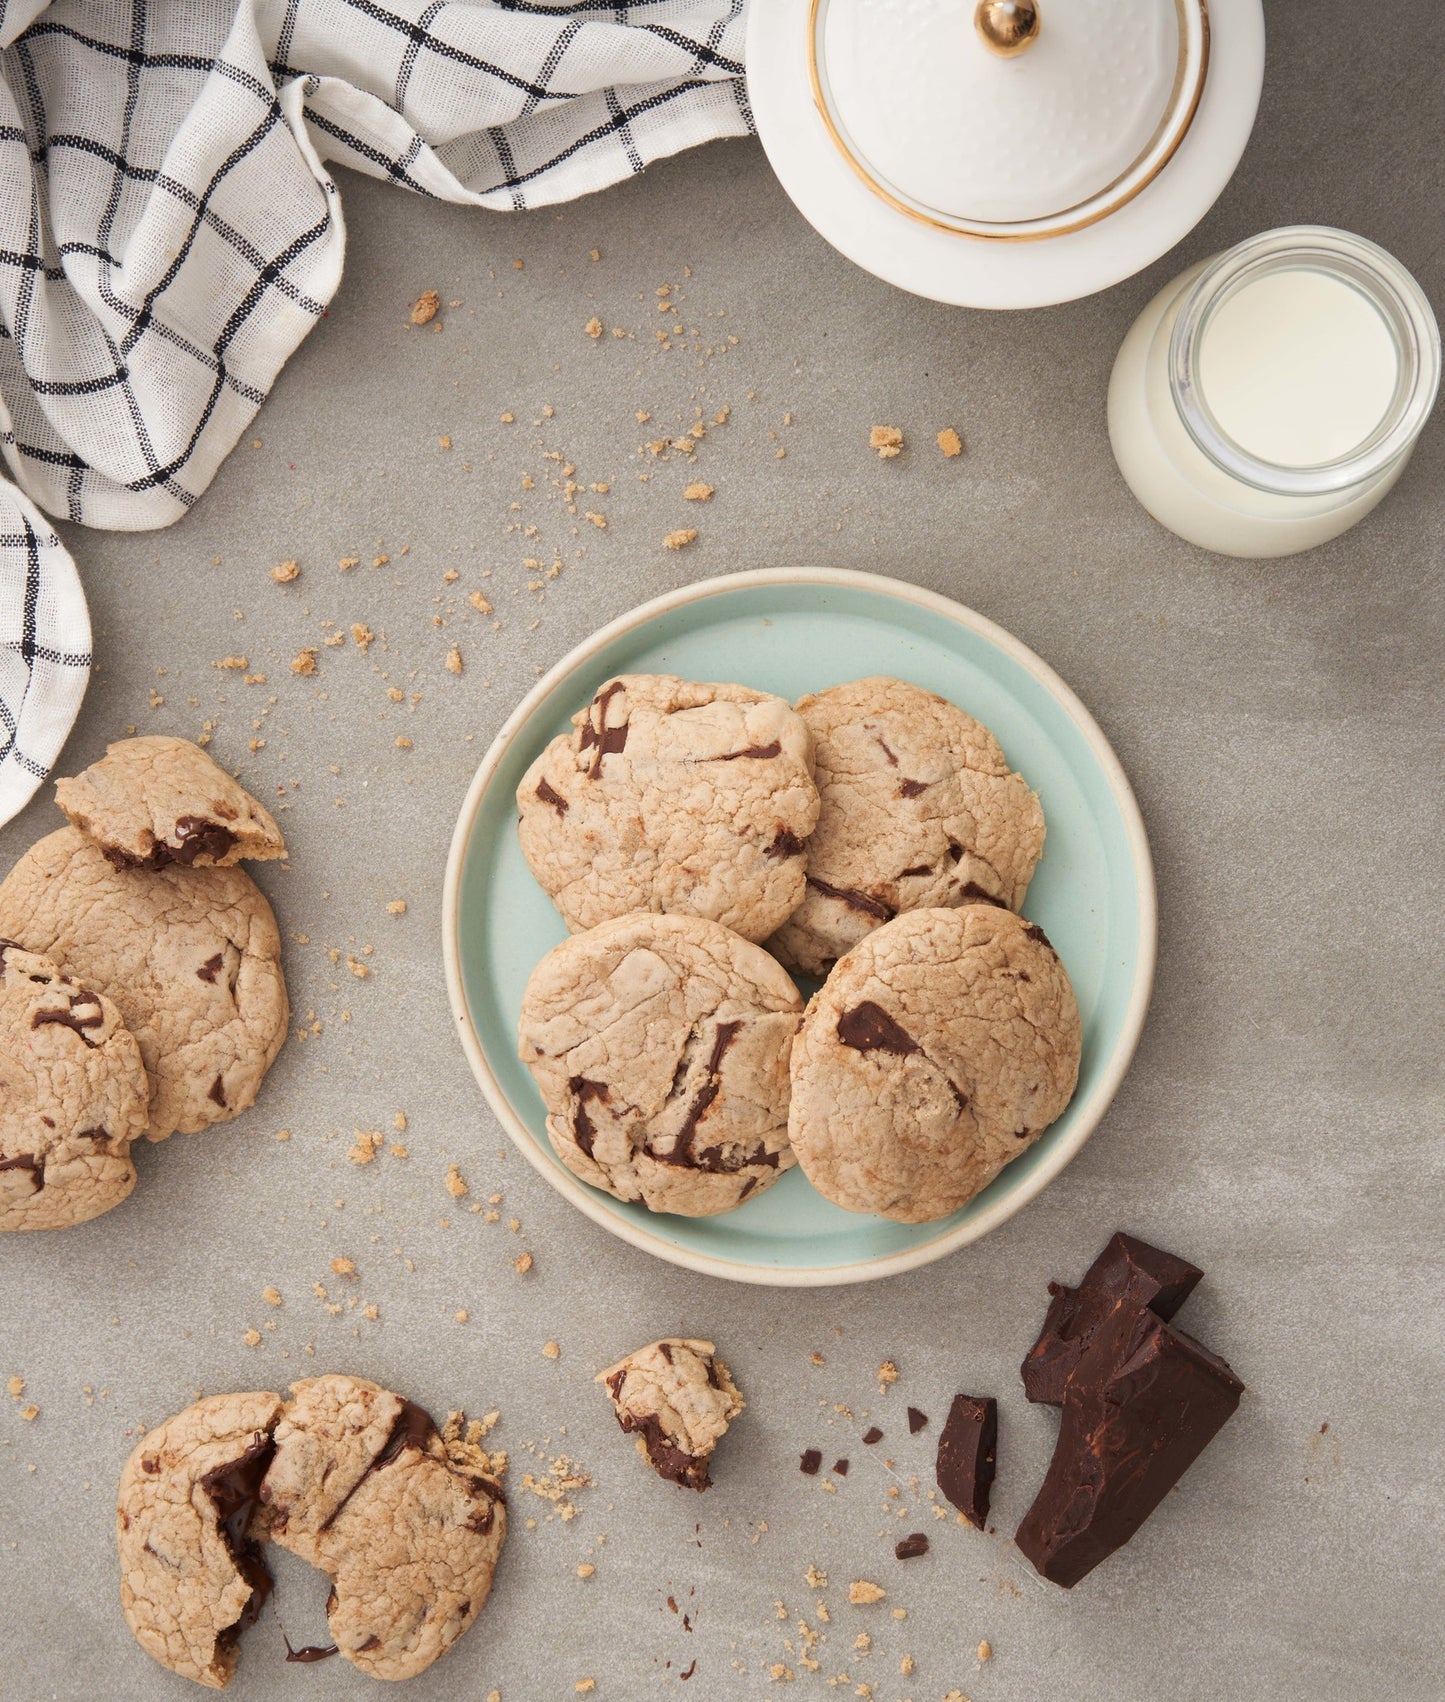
1280 1124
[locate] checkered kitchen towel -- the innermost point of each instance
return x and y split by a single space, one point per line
169 231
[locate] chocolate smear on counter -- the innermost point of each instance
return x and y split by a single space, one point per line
810 1462
549 795
968 1455
912 1546
1142 1404
916 1420
869 1028
854 900
1127 1269
308 1656
234 1490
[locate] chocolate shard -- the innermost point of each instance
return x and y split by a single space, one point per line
810 1462
1127 1269
1143 1403
968 1455
911 1546
916 1420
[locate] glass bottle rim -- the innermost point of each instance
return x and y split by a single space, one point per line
1392 291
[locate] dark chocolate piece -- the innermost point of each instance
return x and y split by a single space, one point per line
211 968
312 1653
1127 1269
73 1019
854 900
869 1028
913 788
810 1462
234 1490
916 1420
840 1468
608 741
584 1130
967 1455
871 1435
912 1546
785 844
1143 1403
764 753
550 795
27 1161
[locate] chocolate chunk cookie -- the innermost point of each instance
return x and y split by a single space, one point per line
676 797
73 1096
191 1574
191 957
678 1398
363 1487
154 801
939 1048
919 810
660 1045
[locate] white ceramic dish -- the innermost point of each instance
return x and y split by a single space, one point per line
793 630
968 270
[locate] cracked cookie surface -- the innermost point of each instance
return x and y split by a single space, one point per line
660 1045
363 1486
73 1096
156 800
941 1047
677 797
191 958
678 1398
192 1578
919 810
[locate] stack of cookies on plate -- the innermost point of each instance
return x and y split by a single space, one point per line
707 843
141 990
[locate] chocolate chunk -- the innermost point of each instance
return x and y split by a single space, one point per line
785 844
764 753
916 1420
607 741
234 1490
968 1454
918 869
1035 933
27 1161
549 795
810 1462
911 1546
1127 1269
199 837
412 1428
869 1028
854 900
972 893
840 1468
73 1019
1141 1406
912 788
211 968
871 1435
584 1130
218 1090
665 1457
312 1653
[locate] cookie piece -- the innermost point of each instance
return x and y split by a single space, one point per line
660 1045
676 797
191 1577
191 957
73 1096
678 1398
363 1487
940 1047
154 801
919 810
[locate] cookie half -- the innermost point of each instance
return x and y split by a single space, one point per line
73 1096
191 1574
919 809
941 1046
191 958
678 1398
660 1045
363 1486
154 801
676 797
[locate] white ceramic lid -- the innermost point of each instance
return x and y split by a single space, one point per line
1008 118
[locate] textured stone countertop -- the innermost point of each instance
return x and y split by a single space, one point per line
1280 1124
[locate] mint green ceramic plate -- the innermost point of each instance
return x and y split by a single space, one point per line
793 630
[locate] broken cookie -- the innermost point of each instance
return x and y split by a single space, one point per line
660 1045
191 958
153 801
73 1096
191 1575
941 1047
918 809
676 797
678 1398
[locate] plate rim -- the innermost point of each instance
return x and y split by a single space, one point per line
1096 1103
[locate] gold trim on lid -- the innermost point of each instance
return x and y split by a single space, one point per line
1004 233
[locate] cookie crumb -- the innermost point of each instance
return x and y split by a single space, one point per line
454 1184
586 1569
680 539
862 1594
950 443
304 661
284 572
425 310
252 1338
272 1296
887 440
817 1579
364 1148
584 1685
698 492
593 328
523 1263
550 1350
887 1374
454 662
462 1315
32 1412
344 1267
397 907
985 1650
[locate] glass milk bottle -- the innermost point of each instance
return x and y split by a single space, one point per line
1268 398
